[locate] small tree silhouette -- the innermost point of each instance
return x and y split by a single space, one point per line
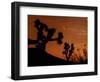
85 50
71 50
68 50
85 53
43 39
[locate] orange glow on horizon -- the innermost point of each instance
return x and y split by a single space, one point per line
74 30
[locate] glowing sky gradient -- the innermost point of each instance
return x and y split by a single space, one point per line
74 30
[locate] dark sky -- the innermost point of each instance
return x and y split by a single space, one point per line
74 30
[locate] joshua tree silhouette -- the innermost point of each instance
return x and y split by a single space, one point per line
85 50
68 50
43 39
71 50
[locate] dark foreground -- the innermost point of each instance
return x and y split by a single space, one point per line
38 57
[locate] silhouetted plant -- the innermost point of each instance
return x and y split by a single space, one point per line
85 50
68 50
43 39
71 50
